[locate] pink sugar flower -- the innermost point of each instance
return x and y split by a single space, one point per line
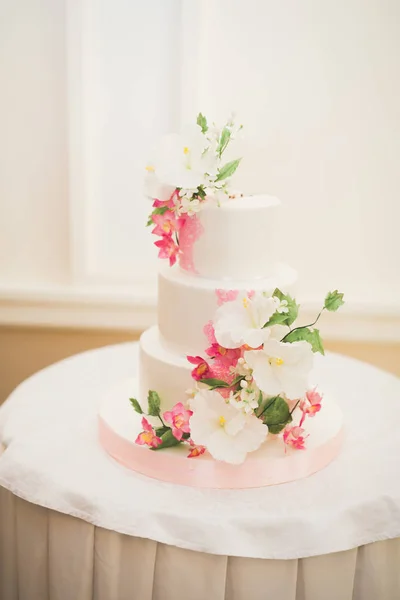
171 202
202 369
226 356
293 436
148 436
226 296
178 419
314 397
166 224
310 405
195 450
168 249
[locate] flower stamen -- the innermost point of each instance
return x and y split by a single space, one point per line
276 361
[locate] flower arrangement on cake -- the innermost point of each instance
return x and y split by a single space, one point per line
252 382
187 170
254 376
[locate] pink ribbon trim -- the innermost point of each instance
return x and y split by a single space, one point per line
205 472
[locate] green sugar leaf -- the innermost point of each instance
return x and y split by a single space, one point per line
223 141
154 403
228 169
333 301
136 405
276 415
167 441
306 334
202 122
215 383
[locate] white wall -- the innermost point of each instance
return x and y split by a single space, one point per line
88 85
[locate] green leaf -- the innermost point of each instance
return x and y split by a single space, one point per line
275 429
237 380
167 441
277 319
136 405
161 430
333 301
223 141
215 383
309 335
202 122
228 169
277 414
201 192
286 318
154 403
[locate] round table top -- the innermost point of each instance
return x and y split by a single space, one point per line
51 457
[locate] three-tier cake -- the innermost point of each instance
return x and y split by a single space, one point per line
225 394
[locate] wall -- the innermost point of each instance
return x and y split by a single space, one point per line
86 86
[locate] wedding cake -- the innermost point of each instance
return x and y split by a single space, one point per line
225 395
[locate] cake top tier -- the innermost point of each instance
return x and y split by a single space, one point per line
212 231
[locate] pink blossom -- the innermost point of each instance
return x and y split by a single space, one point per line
293 436
195 450
314 397
178 419
226 296
166 224
226 356
168 249
171 202
202 369
310 405
148 436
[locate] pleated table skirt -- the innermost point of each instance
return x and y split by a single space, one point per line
46 555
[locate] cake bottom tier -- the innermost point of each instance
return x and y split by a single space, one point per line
271 464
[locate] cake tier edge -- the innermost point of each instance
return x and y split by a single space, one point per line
271 464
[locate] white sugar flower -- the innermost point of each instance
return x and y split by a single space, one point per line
182 161
241 321
153 189
281 368
247 399
228 434
188 205
283 307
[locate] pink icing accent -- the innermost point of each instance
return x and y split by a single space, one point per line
226 296
210 332
189 233
205 472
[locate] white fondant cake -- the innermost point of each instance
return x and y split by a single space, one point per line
225 374
187 302
234 240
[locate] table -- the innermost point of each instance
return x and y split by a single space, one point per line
71 529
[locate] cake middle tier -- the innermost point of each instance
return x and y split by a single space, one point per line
186 303
162 371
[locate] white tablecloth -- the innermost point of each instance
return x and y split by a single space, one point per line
47 555
53 459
